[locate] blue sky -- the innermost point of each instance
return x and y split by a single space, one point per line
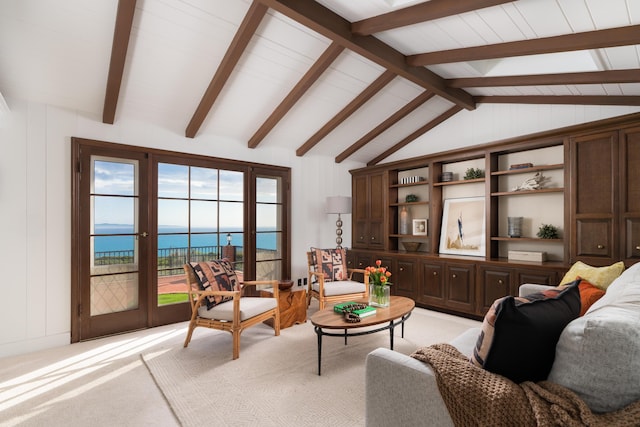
117 178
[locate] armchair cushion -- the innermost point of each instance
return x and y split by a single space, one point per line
519 334
215 275
249 307
342 287
331 262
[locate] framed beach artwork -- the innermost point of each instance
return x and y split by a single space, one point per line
463 227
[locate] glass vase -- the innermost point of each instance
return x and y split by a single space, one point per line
379 295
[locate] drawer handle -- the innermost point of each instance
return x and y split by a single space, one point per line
637 248
401 269
600 246
373 238
453 275
435 273
500 281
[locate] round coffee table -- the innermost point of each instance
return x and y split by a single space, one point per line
396 313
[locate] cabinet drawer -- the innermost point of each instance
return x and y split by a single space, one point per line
594 238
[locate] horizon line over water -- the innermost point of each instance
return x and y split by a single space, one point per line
265 238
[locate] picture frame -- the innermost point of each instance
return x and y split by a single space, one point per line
419 227
463 227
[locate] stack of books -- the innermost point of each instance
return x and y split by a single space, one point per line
362 310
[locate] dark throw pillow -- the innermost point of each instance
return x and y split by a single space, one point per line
215 276
519 334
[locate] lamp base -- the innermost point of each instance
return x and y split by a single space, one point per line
339 233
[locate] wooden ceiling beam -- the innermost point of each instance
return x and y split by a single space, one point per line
595 77
119 47
331 25
390 121
310 77
424 129
347 111
237 47
422 12
561 99
622 36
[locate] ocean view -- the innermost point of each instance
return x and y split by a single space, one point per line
265 239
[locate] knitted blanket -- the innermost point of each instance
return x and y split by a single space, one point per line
476 397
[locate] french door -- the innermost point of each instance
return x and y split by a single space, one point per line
110 242
139 214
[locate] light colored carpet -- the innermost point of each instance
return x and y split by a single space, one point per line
275 381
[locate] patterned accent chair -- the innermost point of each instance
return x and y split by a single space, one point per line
330 281
215 294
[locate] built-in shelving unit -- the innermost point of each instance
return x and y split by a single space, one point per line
597 222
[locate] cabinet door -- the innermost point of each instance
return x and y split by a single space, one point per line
460 287
431 289
493 284
594 176
368 216
360 213
630 194
404 279
377 205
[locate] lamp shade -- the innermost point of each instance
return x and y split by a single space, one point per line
338 205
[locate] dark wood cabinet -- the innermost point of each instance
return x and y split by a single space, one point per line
430 286
606 197
447 285
630 195
494 283
369 208
460 287
404 277
594 179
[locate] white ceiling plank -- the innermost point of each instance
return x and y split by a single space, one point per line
577 14
606 14
544 17
501 24
623 57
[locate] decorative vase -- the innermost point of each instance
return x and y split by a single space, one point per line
405 221
514 228
379 295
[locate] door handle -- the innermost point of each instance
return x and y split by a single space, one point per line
143 234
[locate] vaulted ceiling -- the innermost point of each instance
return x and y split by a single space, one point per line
351 79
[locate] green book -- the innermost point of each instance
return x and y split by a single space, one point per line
368 311
339 308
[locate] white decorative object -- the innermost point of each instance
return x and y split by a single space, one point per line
536 182
405 221
527 256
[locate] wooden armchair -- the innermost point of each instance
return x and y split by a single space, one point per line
227 310
331 290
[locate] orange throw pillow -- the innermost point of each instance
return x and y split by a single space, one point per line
589 294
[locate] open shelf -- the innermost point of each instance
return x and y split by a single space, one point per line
521 192
525 239
458 182
528 170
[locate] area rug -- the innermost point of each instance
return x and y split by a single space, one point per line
275 381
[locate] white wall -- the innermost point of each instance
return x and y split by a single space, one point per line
35 209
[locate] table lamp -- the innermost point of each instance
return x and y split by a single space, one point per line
338 205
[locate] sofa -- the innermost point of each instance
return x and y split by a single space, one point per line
597 356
